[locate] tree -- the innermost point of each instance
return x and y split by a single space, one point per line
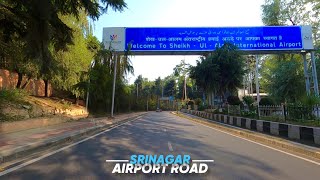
138 84
231 65
158 87
272 13
222 71
73 64
205 73
101 80
169 88
183 70
283 77
13 58
280 73
293 12
37 23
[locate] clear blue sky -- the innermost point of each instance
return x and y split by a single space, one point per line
178 13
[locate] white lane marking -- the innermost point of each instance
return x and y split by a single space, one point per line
170 146
117 160
202 160
299 157
165 130
59 150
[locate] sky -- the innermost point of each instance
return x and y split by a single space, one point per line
177 13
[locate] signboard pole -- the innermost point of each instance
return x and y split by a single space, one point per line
257 84
114 82
306 75
314 73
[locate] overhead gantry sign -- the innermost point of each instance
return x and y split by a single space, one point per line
197 40
202 40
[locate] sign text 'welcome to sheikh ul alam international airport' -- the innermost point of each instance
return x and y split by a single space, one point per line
201 39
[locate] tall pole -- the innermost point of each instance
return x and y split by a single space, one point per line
114 83
88 89
257 84
315 75
185 88
147 103
162 91
251 87
137 91
306 75
87 99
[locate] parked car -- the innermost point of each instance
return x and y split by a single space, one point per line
159 110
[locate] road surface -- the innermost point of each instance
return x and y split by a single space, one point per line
164 133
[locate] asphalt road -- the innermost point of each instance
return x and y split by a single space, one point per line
164 133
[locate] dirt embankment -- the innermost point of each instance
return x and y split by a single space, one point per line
33 107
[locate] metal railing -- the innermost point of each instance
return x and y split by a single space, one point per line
283 112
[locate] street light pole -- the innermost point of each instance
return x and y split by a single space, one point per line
147 102
88 89
114 83
185 87
87 99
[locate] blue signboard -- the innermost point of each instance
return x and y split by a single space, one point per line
208 39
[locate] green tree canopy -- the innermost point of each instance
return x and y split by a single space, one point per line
38 24
222 71
283 77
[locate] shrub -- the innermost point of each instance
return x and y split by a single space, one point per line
15 95
249 114
310 100
202 107
266 101
197 101
190 103
248 100
233 100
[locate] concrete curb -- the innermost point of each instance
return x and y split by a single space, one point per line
307 134
301 149
6 156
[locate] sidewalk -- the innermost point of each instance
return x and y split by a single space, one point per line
22 141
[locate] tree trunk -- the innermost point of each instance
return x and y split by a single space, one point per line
20 76
77 100
46 88
26 83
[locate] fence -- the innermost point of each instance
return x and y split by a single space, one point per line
302 112
273 111
279 112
